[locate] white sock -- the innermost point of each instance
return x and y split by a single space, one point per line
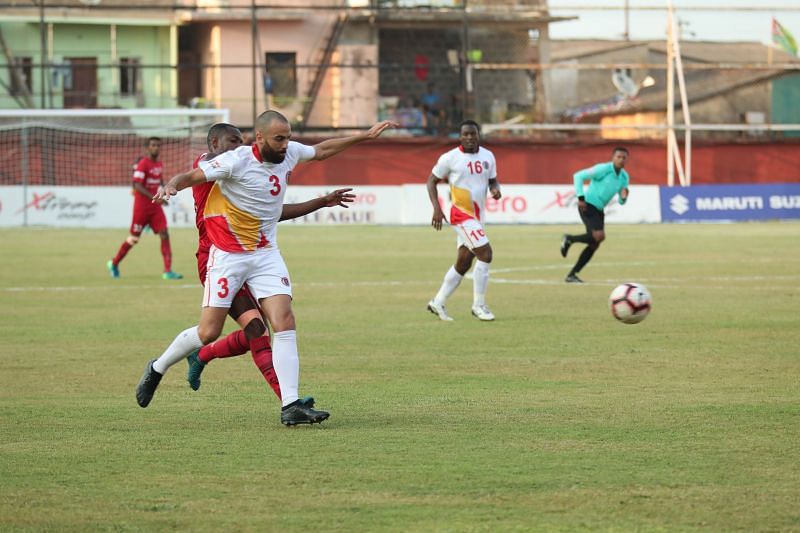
287 364
181 347
480 279
451 282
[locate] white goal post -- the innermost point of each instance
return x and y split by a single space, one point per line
76 147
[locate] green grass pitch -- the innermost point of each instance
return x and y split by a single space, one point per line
554 417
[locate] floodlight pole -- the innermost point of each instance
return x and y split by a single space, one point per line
674 63
687 119
670 100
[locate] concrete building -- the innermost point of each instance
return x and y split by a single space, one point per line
736 95
75 56
340 63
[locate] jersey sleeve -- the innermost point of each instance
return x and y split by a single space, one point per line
219 168
303 152
140 170
196 163
442 167
623 185
594 173
493 176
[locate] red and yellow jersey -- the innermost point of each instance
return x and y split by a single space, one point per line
246 200
148 173
468 175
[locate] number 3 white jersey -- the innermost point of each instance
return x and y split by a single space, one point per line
468 175
246 201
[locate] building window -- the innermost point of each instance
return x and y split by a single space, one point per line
129 70
282 73
24 68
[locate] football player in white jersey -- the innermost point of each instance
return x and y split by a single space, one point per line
470 170
241 215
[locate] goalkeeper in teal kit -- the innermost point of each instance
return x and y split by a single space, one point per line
606 181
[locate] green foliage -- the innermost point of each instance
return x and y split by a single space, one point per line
554 417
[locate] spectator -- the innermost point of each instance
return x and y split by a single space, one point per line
434 111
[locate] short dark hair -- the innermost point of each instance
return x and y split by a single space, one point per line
469 123
218 130
268 117
619 149
151 139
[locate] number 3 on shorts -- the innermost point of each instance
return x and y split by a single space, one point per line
223 287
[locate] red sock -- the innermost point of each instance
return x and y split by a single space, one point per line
166 253
123 251
261 349
229 346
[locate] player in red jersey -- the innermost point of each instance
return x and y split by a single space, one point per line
254 334
147 177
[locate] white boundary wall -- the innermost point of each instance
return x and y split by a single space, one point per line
110 207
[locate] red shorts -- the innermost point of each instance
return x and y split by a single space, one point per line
148 215
202 264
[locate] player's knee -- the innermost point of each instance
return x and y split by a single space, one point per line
132 239
462 267
164 235
485 255
254 329
283 322
599 236
208 333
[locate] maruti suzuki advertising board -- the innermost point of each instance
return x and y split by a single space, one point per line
730 202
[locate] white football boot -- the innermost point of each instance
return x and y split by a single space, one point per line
439 311
481 312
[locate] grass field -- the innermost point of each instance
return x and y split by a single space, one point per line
553 417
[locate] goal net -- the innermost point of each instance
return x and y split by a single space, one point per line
97 147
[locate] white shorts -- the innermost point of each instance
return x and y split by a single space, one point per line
471 234
263 270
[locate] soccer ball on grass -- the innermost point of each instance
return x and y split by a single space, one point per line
630 303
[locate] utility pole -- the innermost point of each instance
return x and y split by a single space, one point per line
43 52
627 34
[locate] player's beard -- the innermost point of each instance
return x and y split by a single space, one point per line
272 156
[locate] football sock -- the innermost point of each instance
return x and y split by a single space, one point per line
480 279
451 282
585 238
231 345
184 343
123 251
166 253
287 364
262 356
586 254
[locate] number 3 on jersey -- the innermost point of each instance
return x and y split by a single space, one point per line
276 185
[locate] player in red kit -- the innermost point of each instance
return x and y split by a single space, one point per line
147 178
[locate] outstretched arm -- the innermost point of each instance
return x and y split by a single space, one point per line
331 147
179 182
433 194
339 197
